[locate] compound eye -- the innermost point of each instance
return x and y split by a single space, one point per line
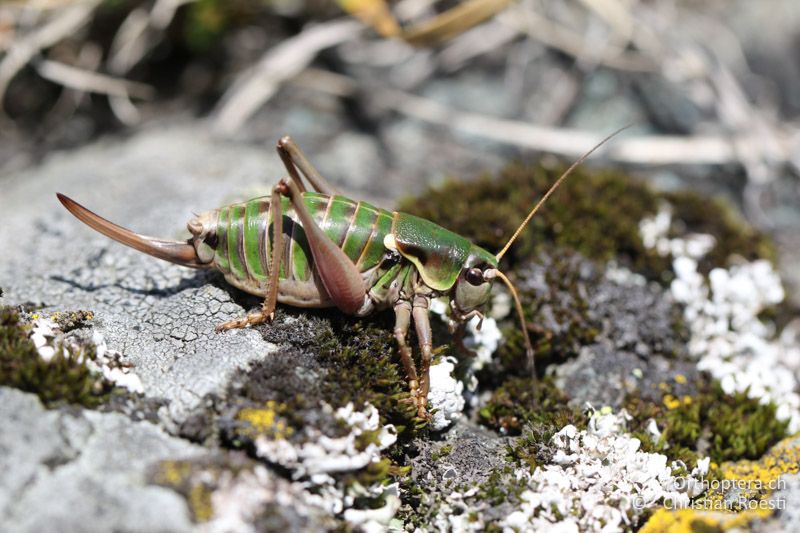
474 276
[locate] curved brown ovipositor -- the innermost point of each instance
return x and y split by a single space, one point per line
179 252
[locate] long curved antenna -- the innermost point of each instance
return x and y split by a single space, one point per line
566 173
518 305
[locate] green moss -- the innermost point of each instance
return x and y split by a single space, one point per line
205 24
556 310
442 451
718 218
537 412
596 213
208 22
72 320
712 423
363 366
65 379
501 487
375 472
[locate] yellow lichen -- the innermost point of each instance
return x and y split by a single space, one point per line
738 495
693 520
264 421
671 402
680 379
200 503
172 473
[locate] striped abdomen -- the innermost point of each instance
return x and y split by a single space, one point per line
244 243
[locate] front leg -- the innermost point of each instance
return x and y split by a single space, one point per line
402 313
422 324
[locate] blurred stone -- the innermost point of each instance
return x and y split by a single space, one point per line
83 470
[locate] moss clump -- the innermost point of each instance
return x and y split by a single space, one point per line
555 287
363 367
594 213
501 487
71 320
442 451
64 379
207 23
711 423
328 363
331 361
519 401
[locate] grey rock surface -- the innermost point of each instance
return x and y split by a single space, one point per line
75 470
638 347
161 317
787 517
627 333
467 456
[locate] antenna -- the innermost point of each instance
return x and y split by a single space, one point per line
541 202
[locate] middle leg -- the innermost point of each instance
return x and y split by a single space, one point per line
267 312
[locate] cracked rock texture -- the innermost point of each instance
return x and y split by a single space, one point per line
83 470
160 316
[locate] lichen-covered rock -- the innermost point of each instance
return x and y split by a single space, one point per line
160 316
229 492
306 423
758 495
83 470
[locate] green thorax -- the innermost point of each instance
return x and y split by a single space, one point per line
438 254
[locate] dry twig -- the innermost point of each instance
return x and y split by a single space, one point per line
259 83
651 150
64 22
89 81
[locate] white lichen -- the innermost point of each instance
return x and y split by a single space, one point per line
321 455
599 481
316 461
483 342
655 231
728 338
110 364
446 396
44 335
49 339
376 520
446 392
239 499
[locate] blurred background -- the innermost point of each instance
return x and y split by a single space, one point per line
389 98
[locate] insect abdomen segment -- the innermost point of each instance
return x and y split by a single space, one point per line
244 238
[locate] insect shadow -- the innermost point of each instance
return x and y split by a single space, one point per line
198 279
